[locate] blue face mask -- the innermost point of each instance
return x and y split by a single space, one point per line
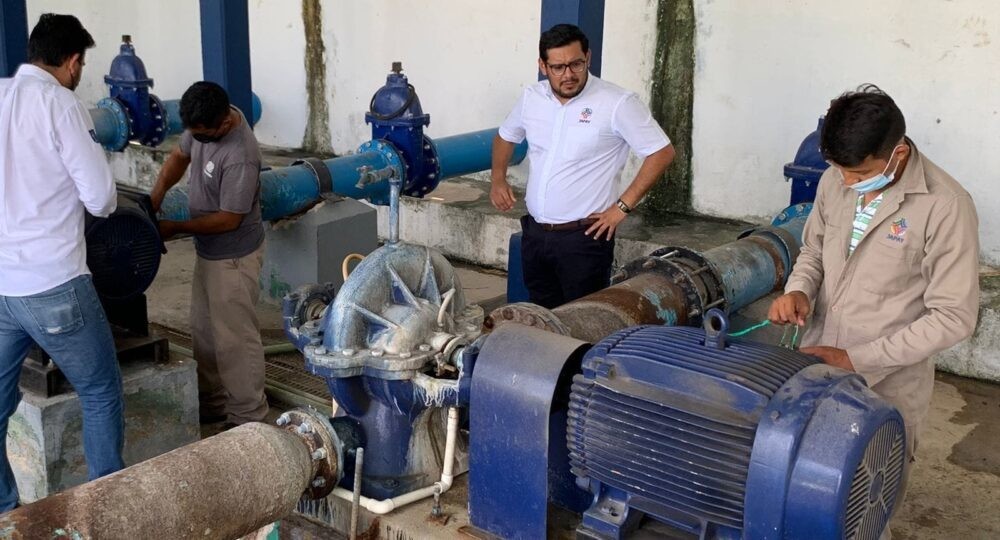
878 181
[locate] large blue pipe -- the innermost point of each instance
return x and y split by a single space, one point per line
111 121
470 152
286 191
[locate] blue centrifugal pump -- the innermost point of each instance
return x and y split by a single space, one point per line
133 112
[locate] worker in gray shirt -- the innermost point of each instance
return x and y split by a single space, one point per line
222 154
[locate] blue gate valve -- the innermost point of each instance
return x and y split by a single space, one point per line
397 117
132 100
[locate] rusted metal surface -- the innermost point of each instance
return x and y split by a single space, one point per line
325 448
673 286
647 298
225 486
527 314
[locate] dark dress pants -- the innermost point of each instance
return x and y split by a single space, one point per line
561 266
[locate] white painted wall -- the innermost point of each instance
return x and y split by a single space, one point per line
166 35
766 72
468 60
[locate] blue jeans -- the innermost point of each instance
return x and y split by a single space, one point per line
69 323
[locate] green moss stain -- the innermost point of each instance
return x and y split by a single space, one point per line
276 288
317 135
671 102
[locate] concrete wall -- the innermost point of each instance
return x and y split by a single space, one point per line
765 73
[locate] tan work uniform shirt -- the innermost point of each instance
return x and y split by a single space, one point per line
909 290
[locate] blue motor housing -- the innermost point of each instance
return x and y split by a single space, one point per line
807 168
730 440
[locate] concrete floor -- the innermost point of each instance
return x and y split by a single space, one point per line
955 484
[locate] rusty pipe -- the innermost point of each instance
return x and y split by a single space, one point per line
224 487
674 285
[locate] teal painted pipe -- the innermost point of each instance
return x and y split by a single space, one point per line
107 126
173 108
471 152
286 191
111 122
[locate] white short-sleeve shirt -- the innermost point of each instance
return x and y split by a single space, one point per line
578 149
51 170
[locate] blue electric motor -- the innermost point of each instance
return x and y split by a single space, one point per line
808 167
729 440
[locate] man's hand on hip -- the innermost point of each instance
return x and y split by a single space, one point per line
501 195
831 356
789 308
607 221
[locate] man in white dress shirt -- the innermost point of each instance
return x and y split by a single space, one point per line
52 170
580 130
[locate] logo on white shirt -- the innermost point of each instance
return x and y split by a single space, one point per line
585 115
209 169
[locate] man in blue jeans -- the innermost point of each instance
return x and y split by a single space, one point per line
52 170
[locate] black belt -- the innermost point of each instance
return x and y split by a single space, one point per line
570 226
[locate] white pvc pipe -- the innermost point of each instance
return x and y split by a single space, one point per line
445 302
385 506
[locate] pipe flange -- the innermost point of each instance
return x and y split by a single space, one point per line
428 181
792 212
325 448
393 158
527 314
786 239
669 265
711 277
122 123
791 243
158 112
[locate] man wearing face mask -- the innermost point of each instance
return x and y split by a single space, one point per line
221 152
890 257
579 129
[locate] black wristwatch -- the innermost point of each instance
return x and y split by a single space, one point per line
623 207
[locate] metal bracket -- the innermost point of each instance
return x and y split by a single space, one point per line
324 446
323 177
519 458
716 326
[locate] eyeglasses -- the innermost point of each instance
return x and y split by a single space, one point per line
576 66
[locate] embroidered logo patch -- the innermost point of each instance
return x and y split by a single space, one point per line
209 169
897 230
585 115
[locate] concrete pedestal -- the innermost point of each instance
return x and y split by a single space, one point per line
311 248
45 435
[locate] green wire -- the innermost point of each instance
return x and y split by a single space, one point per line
792 343
751 329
